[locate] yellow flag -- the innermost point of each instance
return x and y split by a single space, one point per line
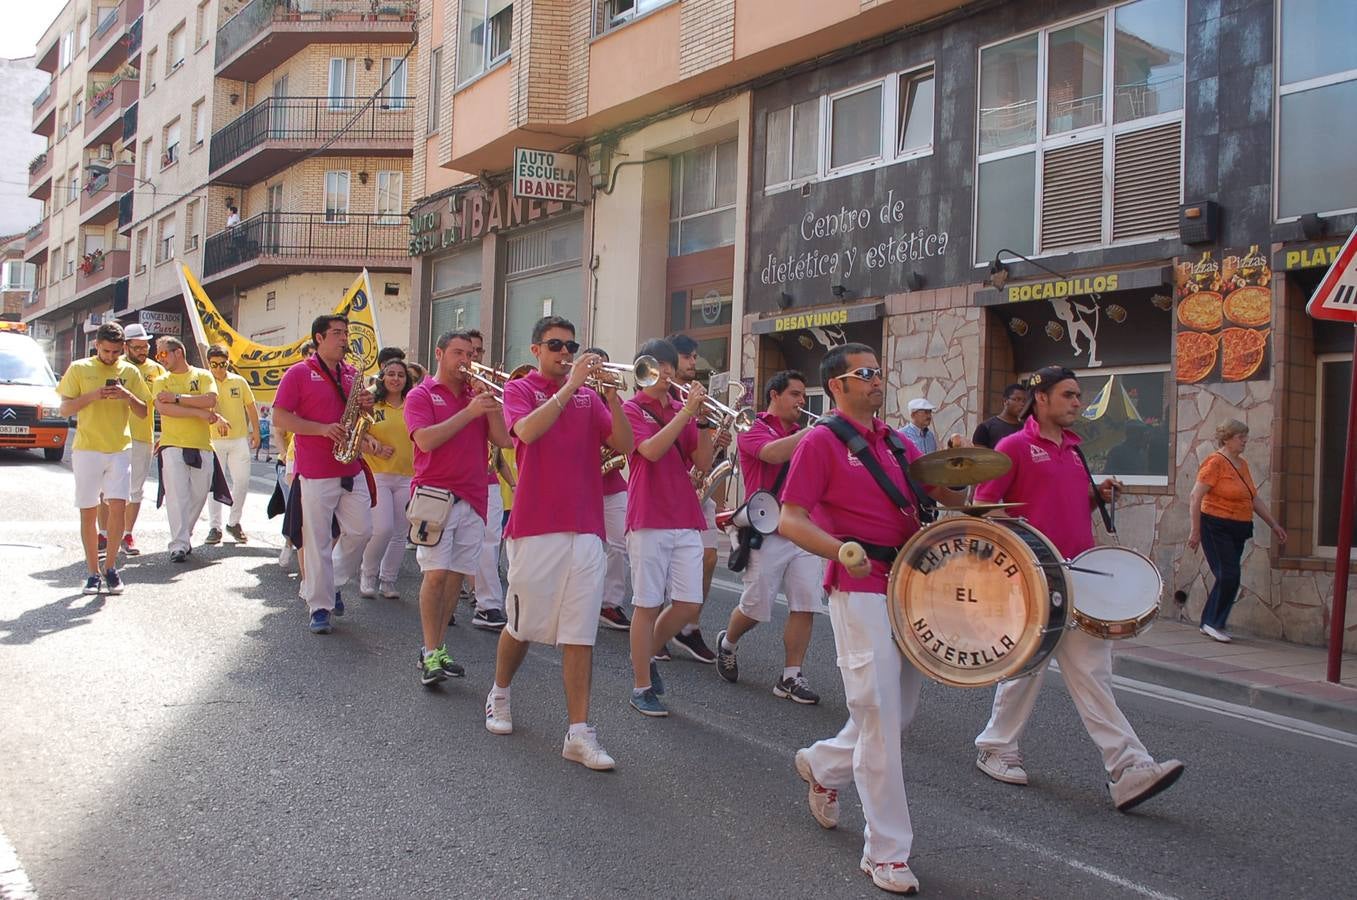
263 365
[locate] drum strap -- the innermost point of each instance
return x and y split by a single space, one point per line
926 508
1097 494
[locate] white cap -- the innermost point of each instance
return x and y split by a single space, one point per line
919 403
135 332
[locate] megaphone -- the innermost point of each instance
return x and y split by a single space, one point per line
760 512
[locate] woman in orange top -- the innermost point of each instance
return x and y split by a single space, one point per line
1224 501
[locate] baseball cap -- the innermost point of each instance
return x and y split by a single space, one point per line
135 332
1047 376
919 403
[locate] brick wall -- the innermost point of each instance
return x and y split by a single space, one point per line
706 35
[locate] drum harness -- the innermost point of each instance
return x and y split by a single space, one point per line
1109 516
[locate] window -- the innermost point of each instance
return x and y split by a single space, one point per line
1124 423
702 198
175 48
141 250
145 158
57 192
394 94
149 71
63 121
82 34
55 275
70 258
77 111
200 24
169 136
67 48
165 239
792 149
73 184
199 123
19 276
336 197
191 225
390 199
486 30
916 112
1317 77
342 82
1055 171
456 294
855 127
1335 383
620 12
435 87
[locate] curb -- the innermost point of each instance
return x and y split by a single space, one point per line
1269 699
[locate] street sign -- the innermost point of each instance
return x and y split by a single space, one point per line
1336 296
544 175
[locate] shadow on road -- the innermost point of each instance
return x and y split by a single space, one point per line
68 612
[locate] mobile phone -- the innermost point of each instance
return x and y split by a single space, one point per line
110 382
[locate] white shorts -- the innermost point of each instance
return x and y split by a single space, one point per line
711 538
98 473
665 563
555 588
780 562
459 547
141 467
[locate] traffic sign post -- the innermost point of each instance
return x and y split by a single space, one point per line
1336 300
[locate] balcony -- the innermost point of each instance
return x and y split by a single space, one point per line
129 123
35 300
97 273
103 121
40 176
125 212
103 188
278 131
108 45
49 58
133 40
274 244
45 112
35 242
253 41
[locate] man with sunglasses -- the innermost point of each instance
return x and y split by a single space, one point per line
233 439
664 521
487 595
310 403
880 686
1050 479
555 534
186 398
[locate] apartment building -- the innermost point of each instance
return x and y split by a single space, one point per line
17 278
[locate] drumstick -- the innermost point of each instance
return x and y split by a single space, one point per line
851 554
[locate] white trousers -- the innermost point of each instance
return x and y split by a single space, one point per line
1086 666
141 467
615 547
186 490
331 563
882 690
234 454
386 548
489 589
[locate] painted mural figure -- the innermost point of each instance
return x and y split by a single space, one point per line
1073 315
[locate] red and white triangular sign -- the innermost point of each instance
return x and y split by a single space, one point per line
1336 296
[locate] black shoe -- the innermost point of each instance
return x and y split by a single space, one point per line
178 556
796 688
695 647
339 604
113 580
726 664
93 585
489 619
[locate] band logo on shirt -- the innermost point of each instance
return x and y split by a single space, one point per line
379 415
1038 454
235 392
193 385
437 400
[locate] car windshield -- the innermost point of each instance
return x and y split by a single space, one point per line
22 362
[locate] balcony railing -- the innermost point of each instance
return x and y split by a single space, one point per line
106 23
94 272
42 97
293 235
255 17
36 163
130 122
313 120
35 232
133 38
125 210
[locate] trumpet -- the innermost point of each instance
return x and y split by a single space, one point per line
645 372
490 377
718 414
814 419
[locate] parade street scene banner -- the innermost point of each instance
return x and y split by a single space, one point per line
263 365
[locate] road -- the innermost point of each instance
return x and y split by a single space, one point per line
191 739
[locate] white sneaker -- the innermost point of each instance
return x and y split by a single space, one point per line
584 749
895 877
1215 634
498 720
1139 783
367 586
388 590
824 802
1005 766
285 557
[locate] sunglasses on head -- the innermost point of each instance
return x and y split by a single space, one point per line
556 345
862 374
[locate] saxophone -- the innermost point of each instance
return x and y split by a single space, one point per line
356 423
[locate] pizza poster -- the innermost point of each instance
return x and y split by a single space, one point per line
1224 317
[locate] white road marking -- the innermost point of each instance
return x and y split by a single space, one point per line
14 884
1103 874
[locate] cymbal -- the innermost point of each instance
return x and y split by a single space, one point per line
982 509
960 466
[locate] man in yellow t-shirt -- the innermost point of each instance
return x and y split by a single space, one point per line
232 441
103 392
137 350
186 398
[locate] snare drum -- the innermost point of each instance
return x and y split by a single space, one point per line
974 601
1121 603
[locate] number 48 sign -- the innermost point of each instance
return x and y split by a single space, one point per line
1336 296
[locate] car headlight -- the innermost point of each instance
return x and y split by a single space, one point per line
48 411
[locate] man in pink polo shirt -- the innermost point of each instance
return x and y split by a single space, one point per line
612 615
449 423
1049 478
555 532
309 404
765 455
664 521
880 686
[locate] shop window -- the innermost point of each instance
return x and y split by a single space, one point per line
456 294
485 35
1318 75
916 112
336 197
792 144
619 12
543 277
394 92
1335 383
702 186
703 312
1101 181
1125 423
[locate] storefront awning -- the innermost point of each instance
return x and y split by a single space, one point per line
1077 285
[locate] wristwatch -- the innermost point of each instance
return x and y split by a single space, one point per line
176 398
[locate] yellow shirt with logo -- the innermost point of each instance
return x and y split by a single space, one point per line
389 429
233 393
144 429
102 426
180 431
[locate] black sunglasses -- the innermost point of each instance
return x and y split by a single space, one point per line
556 345
862 374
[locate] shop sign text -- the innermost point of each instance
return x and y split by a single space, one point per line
545 175
472 215
1064 287
802 321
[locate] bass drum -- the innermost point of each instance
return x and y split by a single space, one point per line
975 601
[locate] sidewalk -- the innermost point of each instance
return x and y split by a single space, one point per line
1275 676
